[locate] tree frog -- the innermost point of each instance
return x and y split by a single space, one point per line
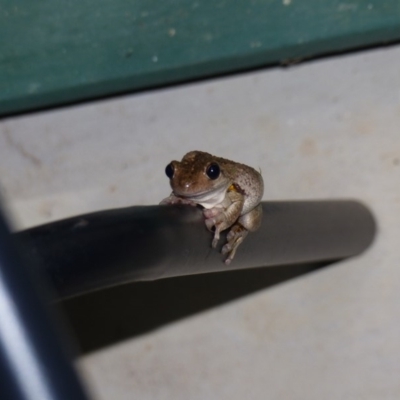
229 192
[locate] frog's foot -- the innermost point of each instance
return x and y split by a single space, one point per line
235 237
216 221
172 199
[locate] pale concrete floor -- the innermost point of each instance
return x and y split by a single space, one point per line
324 129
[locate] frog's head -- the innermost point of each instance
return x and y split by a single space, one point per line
199 177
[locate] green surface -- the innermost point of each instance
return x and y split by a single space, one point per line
55 52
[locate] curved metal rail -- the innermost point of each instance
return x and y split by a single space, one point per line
33 364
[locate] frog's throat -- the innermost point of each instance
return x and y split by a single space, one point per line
208 199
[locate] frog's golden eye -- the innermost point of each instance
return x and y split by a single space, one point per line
169 171
213 171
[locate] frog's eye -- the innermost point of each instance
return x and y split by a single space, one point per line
213 171
169 171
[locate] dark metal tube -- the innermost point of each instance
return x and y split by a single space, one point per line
33 365
112 247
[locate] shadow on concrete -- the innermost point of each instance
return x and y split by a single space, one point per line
105 317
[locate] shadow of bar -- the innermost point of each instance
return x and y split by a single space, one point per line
106 317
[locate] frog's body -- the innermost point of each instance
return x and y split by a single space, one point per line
229 192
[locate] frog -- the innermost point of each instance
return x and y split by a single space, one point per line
228 192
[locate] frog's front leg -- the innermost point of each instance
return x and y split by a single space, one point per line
234 238
224 216
248 222
172 199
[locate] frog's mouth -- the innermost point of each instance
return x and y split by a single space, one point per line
208 198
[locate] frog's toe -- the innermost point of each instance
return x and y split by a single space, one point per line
210 224
231 255
226 248
234 238
231 235
228 261
172 200
216 238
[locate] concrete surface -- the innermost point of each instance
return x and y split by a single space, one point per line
323 129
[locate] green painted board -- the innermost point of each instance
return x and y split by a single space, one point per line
54 52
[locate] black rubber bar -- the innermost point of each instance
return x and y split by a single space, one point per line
33 365
113 247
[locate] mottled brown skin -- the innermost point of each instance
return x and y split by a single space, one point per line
231 198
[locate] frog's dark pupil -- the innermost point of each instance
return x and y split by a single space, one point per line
169 171
213 171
